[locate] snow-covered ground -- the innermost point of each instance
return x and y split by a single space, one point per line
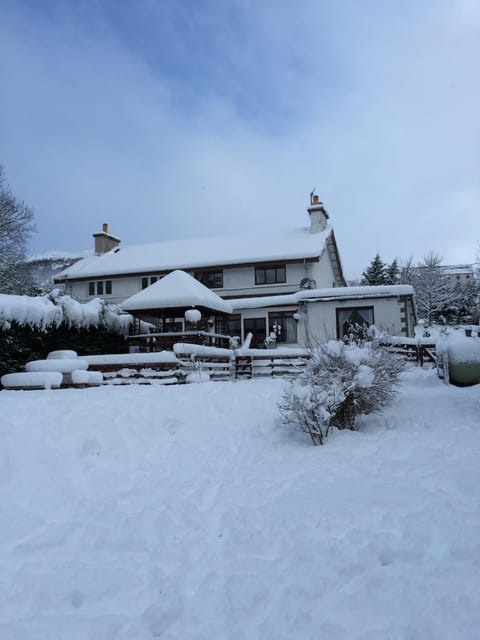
189 513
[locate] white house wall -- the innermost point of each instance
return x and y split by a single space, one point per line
319 318
322 273
122 288
238 282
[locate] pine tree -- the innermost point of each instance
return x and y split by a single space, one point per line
376 272
392 273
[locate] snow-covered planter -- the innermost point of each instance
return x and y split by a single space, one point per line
340 382
63 354
32 380
60 365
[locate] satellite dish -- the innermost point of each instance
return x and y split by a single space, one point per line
305 283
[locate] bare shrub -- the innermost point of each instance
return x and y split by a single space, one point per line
340 382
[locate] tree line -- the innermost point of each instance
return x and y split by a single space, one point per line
437 300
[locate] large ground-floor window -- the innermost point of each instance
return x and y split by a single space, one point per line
283 324
353 320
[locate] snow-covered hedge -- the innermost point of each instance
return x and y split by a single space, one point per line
41 312
31 327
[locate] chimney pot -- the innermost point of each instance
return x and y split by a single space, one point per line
105 227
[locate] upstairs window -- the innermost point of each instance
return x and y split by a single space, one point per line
211 279
148 280
100 288
275 274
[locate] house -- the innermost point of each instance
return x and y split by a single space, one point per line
458 275
284 285
254 264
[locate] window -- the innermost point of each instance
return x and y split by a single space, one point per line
148 280
211 279
100 287
274 274
283 325
353 320
234 325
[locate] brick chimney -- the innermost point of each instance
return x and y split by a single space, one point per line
318 215
104 241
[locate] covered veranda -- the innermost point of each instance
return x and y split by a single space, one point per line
177 308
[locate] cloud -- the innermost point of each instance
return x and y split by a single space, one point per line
167 121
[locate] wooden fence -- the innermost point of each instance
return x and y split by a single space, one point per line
413 350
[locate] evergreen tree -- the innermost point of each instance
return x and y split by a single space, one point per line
392 273
376 272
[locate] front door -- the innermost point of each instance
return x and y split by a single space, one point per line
257 327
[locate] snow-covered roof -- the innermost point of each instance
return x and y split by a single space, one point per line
335 293
286 244
177 289
457 269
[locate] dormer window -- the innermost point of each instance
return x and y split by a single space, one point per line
274 274
100 288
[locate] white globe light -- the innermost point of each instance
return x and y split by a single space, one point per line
193 316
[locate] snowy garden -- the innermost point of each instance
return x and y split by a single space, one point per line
191 512
135 507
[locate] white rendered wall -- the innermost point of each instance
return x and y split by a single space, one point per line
238 282
319 319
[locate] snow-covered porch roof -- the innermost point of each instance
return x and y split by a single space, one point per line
177 290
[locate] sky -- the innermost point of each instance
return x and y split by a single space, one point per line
187 118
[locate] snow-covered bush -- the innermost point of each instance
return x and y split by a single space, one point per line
339 383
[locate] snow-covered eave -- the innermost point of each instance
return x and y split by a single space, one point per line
324 295
156 309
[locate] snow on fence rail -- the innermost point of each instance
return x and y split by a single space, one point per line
270 362
161 367
418 350
215 361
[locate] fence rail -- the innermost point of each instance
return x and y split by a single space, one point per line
419 352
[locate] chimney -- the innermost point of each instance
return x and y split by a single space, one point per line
318 214
104 241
